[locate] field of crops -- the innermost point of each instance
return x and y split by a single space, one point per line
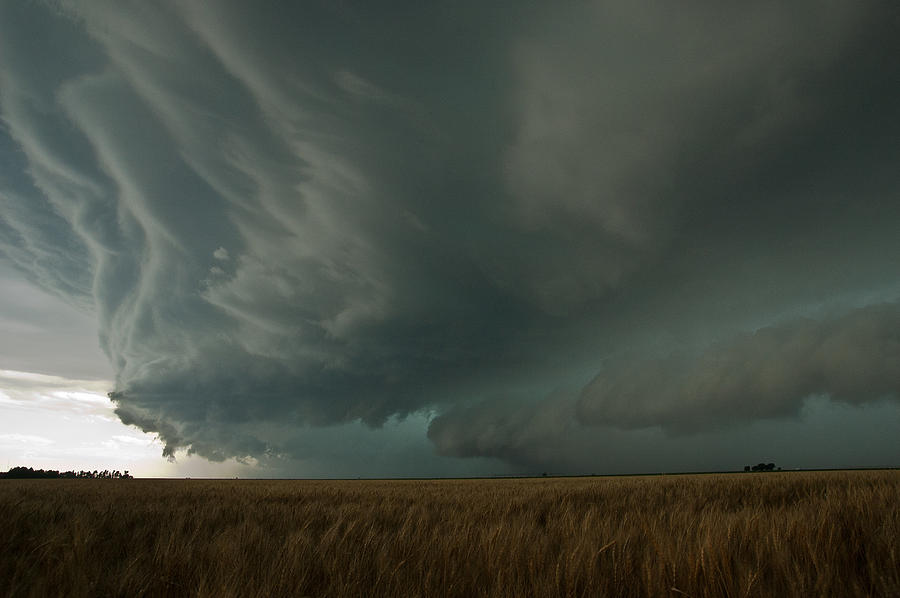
753 534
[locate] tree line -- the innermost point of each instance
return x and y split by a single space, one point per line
26 473
761 467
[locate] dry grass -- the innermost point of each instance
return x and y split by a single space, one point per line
778 534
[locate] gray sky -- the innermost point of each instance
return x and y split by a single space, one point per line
451 239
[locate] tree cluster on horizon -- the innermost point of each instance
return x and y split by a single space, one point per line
21 473
761 467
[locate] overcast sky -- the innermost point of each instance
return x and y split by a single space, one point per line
450 238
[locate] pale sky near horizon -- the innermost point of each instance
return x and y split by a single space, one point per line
448 239
49 419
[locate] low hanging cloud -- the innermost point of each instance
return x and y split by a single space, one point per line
357 214
853 358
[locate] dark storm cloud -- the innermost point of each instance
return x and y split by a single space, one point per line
547 438
504 427
854 358
340 214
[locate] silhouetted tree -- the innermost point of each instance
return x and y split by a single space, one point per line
762 467
22 473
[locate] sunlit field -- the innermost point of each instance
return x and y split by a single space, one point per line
752 534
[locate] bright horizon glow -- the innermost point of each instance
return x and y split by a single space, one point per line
53 422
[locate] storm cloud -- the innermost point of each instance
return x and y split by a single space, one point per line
289 220
854 358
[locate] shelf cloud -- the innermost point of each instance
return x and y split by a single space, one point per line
524 225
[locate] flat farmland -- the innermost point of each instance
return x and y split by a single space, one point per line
753 534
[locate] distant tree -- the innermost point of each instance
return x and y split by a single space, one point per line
762 467
30 473
27 473
746 468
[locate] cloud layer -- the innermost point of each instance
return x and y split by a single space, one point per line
353 214
854 358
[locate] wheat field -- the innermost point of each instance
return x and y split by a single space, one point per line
767 534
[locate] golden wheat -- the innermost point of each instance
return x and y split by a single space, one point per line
776 534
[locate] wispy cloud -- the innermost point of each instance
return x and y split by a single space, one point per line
26 439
